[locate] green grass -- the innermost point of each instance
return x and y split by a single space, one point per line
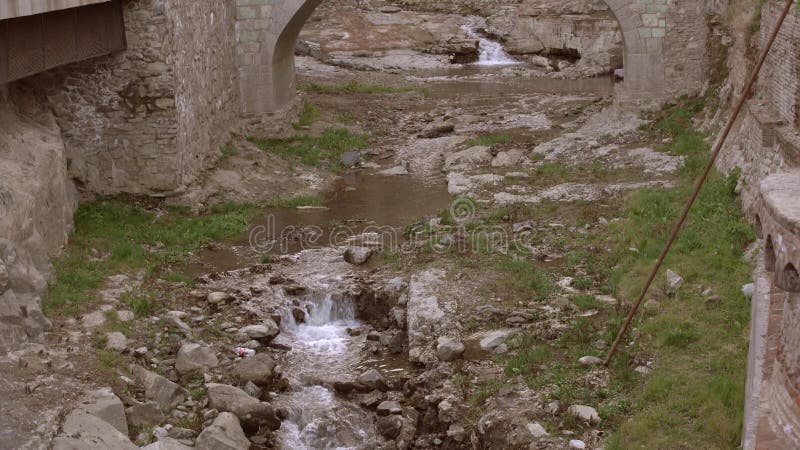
307 117
326 149
697 391
302 200
127 234
355 87
488 140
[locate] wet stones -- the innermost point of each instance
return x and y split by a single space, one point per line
357 255
264 332
449 349
251 412
257 369
225 433
193 357
371 380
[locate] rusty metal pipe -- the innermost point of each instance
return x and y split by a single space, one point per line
700 182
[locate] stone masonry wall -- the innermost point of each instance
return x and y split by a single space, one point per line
686 60
149 119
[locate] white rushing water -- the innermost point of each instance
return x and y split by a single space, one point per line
492 53
321 349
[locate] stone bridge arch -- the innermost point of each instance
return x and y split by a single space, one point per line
267 32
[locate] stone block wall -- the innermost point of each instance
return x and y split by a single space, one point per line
686 56
149 119
765 146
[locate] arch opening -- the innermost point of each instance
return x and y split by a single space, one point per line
643 62
769 255
789 279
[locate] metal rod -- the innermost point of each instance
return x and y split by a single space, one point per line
700 182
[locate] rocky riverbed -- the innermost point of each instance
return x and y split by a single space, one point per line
392 333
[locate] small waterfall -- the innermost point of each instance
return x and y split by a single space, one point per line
491 52
321 349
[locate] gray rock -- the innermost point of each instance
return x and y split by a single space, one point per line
395 171
470 157
449 349
106 406
536 430
395 284
390 426
520 227
372 380
93 319
508 158
262 332
584 413
357 255
144 415
494 339
125 316
644 370
674 281
389 407
116 341
258 369
216 298
577 444
437 130
749 290
390 9
195 356
590 360
83 431
252 390
224 434
167 443
250 411
164 392
351 158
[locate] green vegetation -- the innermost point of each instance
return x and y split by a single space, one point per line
314 151
488 140
695 392
355 87
229 150
302 200
307 117
116 236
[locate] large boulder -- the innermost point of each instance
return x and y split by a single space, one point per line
84 431
106 406
224 434
194 356
257 369
164 392
251 412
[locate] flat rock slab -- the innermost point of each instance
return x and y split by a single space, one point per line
781 193
83 431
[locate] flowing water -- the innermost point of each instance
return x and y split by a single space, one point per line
492 52
321 348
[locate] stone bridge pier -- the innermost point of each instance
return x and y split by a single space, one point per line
664 55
